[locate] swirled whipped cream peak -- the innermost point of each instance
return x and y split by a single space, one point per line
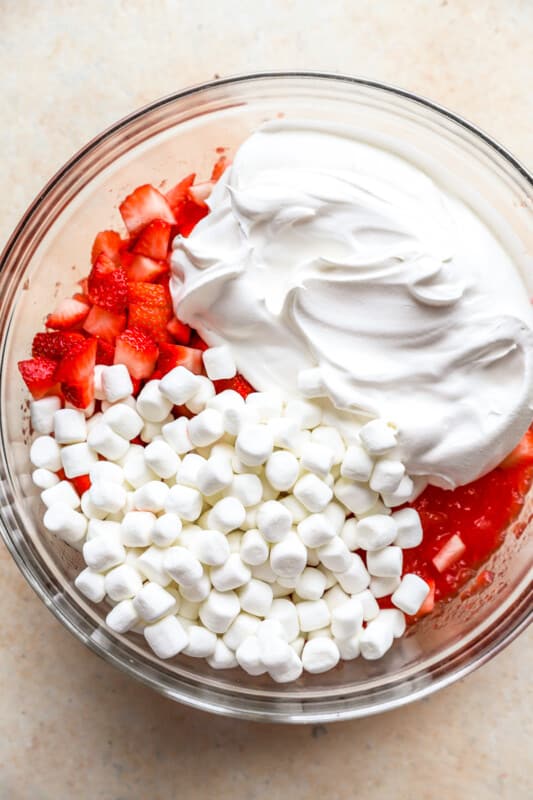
328 252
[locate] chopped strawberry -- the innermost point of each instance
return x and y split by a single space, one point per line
68 314
153 240
82 484
108 285
199 192
104 324
81 298
39 375
238 384
142 206
77 365
150 318
105 352
138 351
449 553
175 355
80 395
522 454
188 213
54 344
110 244
179 331
197 341
178 193
220 167
140 268
149 294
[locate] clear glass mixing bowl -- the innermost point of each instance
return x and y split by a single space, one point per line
48 252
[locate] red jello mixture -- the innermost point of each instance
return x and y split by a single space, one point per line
123 314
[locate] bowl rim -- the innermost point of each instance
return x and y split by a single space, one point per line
519 621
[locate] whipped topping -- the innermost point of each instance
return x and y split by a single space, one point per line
323 250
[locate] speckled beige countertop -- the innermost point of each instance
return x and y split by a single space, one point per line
70 725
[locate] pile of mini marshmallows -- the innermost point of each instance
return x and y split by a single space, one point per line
230 536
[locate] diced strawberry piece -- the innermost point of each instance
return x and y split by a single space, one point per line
108 285
522 454
142 206
82 484
188 214
104 324
105 352
220 167
140 268
449 553
179 331
138 351
80 395
68 314
81 298
199 192
54 344
109 243
197 341
77 366
149 294
178 193
175 355
152 319
238 384
39 375
153 240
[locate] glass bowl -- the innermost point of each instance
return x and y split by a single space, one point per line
49 251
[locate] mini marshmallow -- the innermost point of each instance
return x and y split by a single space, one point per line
216 474
288 557
331 438
219 363
225 400
123 617
230 575
285 432
355 578
90 511
105 441
410 594
44 478
409 528
210 547
150 564
153 496
248 656
317 458
109 497
227 515
385 563
335 555
269 493
273 520
167 637
313 493
103 552
311 383
331 578
283 612
312 557
152 405
268 405
256 597
280 591
77 459
376 531
307 414
282 470
219 610
69 426
254 549
122 583
152 602
166 529
357 465
46 453
347 619
313 614
206 427
335 597
123 420
356 496
98 372
202 395
91 584
377 437
202 643
243 626
42 413
348 648
281 660
319 655
296 509
105 405
387 475
101 527
254 445
264 572
136 528
316 530
348 534
238 416
153 430
106 472
310 584
189 469
336 514
161 459
182 566
116 383
136 471
368 603
377 637
397 620
179 385
223 657
197 592
247 488
63 493
383 587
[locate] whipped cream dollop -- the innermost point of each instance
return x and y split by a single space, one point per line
323 250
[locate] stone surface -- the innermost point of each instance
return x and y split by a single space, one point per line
70 725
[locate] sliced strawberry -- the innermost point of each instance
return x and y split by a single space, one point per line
175 355
54 344
449 553
142 206
80 395
82 484
39 375
238 384
197 341
108 285
77 366
109 243
104 324
220 167
152 319
188 214
140 268
105 352
138 351
522 454
149 294
68 314
179 331
178 193
153 240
